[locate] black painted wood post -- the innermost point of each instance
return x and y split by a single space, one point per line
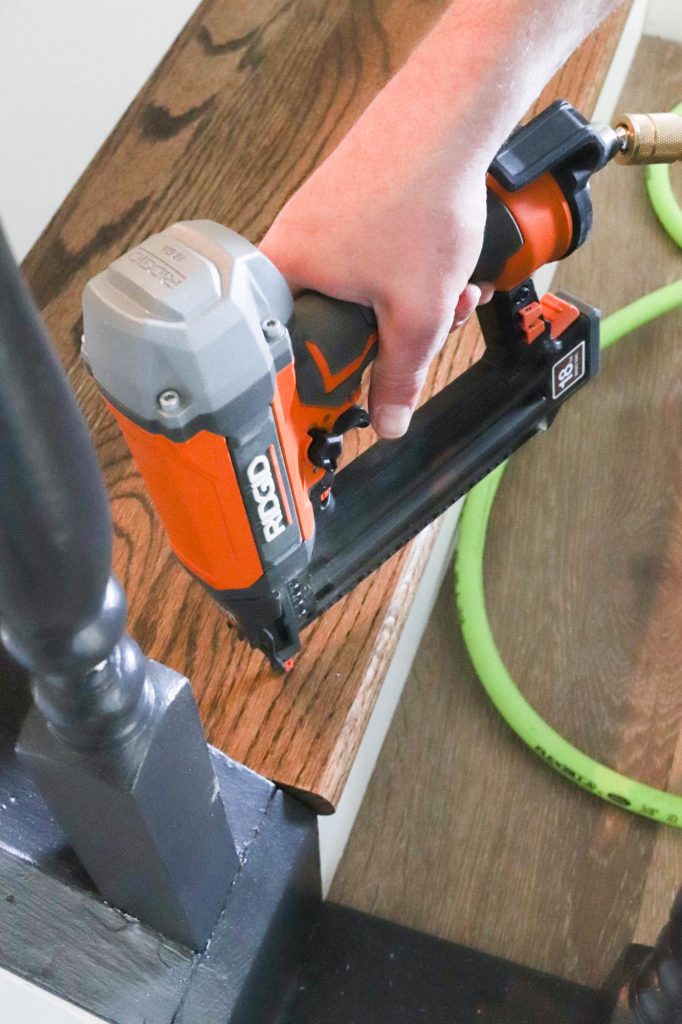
654 995
114 740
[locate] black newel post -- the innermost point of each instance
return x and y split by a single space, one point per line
114 740
655 993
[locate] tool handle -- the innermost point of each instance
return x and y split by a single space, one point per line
334 341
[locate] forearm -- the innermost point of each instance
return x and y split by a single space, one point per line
474 76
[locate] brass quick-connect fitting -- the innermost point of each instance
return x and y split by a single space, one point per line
649 138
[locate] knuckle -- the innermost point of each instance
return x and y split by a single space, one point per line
406 377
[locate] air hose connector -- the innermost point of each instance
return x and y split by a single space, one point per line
649 138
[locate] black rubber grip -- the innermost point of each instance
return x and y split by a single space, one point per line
333 342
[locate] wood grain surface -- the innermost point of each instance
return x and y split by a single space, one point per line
464 832
248 100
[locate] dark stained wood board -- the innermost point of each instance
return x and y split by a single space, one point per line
464 832
248 100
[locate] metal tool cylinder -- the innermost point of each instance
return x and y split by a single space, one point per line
649 138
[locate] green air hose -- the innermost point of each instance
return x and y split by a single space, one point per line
470 592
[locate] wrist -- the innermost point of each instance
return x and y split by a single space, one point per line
472 79
450 114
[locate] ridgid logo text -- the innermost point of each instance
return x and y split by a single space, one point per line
265 495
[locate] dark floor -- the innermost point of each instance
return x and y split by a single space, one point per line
463 832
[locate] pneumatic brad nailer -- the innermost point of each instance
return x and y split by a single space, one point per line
234 398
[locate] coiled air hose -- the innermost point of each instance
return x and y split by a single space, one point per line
575 765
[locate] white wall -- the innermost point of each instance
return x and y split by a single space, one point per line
68 70
664 19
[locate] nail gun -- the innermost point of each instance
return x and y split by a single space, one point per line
234 398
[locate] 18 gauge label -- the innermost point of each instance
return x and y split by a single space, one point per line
568 371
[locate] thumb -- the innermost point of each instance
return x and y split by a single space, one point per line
399 370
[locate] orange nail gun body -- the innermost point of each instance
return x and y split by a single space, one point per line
234 398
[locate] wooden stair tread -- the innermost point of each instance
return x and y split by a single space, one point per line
247 101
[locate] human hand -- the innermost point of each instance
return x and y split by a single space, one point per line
397 224
394 218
